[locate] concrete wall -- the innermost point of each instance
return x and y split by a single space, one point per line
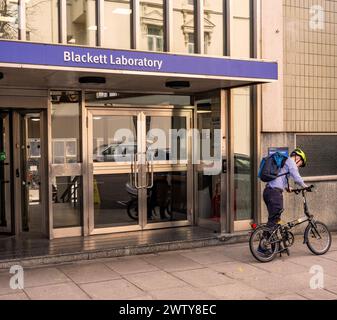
272 49
322 202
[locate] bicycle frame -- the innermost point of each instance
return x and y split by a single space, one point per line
290 225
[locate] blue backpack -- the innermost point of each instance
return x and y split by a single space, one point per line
270 167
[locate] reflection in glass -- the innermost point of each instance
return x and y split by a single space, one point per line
115 201
67 201
9 28
117 17
183 24
106 98
42 21
214 27
167 199
81 22
209 183
114 138
166 138
32 209
242 154
152 25
240 30
65 123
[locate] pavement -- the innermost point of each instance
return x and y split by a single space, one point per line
227 272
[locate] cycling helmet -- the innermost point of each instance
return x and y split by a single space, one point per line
299 152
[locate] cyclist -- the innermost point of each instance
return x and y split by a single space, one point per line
273 193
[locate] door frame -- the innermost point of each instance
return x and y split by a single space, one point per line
110 168
16 125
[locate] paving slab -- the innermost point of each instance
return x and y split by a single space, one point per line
43 276
290 296
119 289
5 285
14 296
203 277
238 270
182 293
173 262
318 294
236 291
281 266
156 280
61 291
91 272
132 265
207 257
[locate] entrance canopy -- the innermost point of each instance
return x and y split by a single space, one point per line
25 64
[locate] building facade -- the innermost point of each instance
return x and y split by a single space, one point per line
301 109
129 115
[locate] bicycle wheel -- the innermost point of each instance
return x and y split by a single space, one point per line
263 245
318 238
132 209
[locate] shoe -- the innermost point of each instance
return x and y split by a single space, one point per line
264 251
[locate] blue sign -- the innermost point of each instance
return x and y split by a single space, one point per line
97 58
282 150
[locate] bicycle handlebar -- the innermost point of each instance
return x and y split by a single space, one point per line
308 189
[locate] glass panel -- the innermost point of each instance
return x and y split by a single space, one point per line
42 21
209 171
5 184
167 200
242 154
81 22
9 17
117 16
321 152
32 210
214 27
108 98
152 25
183 26
67 201
114 138
240 30
166 138
66 124
115 201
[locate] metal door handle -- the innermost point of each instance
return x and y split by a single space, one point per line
134 169
150 169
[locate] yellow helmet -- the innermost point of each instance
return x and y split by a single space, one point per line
299 152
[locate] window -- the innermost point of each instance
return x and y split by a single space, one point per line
183 26
81 22
117 16
152 25
9 17
321 154
42 21
243 166
214 27
240 29
65 121
155 38
191 44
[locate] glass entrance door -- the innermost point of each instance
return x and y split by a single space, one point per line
5 175
31 165
139 169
